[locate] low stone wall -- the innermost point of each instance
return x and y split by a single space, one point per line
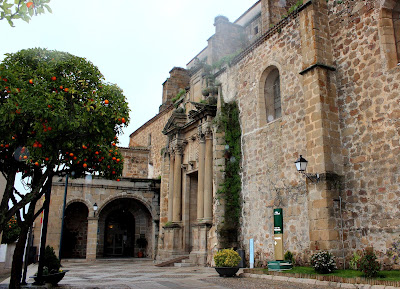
324 278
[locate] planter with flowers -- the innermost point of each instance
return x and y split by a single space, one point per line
226 262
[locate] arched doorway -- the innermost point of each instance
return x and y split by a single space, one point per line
125 224
75 231
119 233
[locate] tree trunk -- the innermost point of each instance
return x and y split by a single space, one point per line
16 269
9 189
17 264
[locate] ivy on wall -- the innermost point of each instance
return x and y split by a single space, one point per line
230 189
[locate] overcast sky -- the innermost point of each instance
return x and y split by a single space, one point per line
134 43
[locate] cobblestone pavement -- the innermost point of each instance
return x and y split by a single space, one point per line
141 273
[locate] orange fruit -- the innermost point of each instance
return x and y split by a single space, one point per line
30 81
84 165
106 101
53 78
29 4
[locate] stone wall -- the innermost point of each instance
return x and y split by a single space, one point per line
179 79
153 127
339 95
368 93
228 39
136 162
269 179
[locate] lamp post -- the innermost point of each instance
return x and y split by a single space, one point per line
301 166
63 212
95 209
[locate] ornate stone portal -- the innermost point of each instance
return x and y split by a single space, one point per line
190 195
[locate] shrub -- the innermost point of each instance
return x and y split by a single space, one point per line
354 262
323 262
394 251
11 231
51 261
289 257
227 258
368 263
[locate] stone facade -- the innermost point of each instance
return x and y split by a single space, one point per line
337 105
321 82
128 210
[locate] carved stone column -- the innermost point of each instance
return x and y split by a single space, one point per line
177 198
208 178
200 184
171 186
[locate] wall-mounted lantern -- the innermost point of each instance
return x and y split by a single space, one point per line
301 166
95 209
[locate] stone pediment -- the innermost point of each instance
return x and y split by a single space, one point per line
202 110
179 120
175 123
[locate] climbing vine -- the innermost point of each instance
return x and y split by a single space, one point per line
230 189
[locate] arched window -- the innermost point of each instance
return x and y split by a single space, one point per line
389 29
272 95
396 28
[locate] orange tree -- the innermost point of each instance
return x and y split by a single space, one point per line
57 115
22 9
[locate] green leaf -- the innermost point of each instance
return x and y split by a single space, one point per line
23 9
7 6
26 18
40 10
48 8
31 12
10 22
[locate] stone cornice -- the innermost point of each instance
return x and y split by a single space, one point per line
321 65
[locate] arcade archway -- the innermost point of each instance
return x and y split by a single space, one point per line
75 231
122 222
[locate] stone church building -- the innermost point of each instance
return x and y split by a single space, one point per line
317 79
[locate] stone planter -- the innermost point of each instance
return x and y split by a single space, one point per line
227 271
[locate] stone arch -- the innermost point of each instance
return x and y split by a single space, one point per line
139 198
88 204
75 230
122 220
389 30
269 88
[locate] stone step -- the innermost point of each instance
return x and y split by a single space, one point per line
183 264
171 262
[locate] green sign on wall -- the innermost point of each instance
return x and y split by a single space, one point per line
278 221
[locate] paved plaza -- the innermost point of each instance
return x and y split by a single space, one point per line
141 273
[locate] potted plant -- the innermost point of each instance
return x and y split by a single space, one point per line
51 268
226 262
142 243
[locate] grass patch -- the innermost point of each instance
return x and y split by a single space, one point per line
348 273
